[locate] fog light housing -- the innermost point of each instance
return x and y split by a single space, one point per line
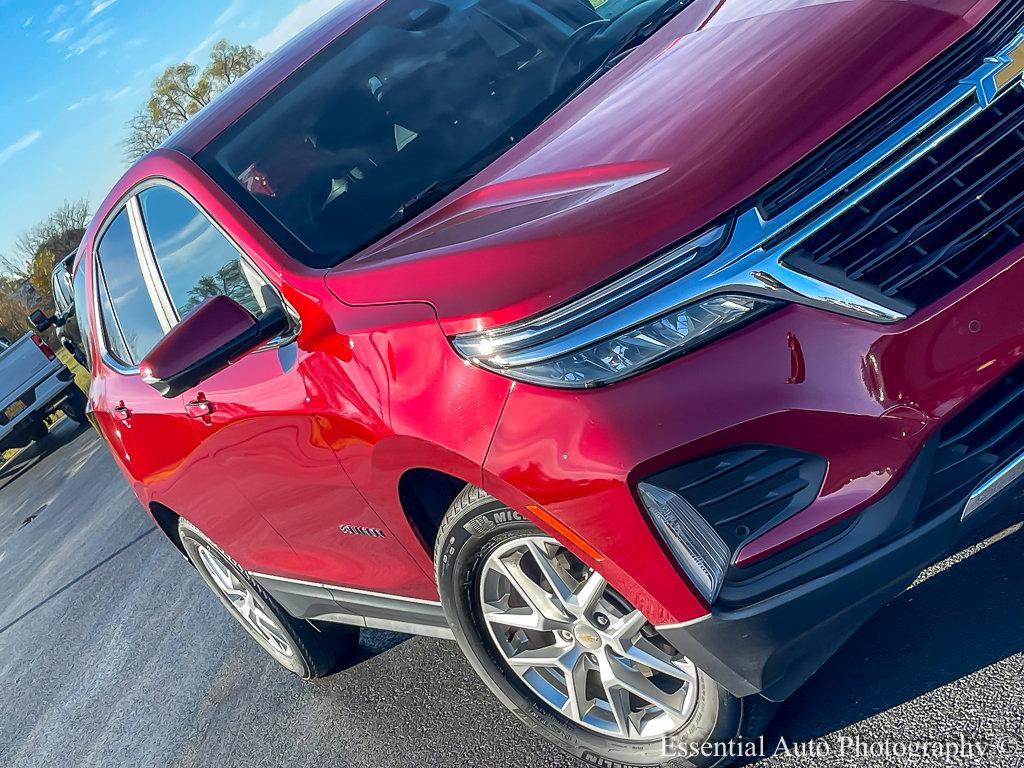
696 546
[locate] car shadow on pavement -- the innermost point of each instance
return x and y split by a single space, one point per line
951 623
63 432
373 642
58 592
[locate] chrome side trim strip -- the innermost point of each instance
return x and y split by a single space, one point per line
682 624
752 260
992 487
357 607
352 590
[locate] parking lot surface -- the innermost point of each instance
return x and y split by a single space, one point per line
112 653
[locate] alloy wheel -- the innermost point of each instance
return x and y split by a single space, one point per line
580 646
251 613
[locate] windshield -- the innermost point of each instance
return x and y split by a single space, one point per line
415 99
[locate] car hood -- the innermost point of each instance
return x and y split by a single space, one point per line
718 103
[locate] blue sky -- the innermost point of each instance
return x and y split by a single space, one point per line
75 71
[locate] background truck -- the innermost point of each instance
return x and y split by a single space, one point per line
34 385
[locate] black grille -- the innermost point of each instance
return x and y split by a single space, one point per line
947 217
745 491
981 439
937 79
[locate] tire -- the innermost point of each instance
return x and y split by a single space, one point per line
74 405
312 651
39 431
478 527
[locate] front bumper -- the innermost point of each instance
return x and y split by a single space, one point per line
773 646
871 400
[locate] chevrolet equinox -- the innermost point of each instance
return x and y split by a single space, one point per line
644 349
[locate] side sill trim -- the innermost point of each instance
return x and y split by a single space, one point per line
357 607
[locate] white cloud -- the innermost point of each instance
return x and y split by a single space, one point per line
57 12
117 95
95 36
234 8
99 6
83 102
20 145
28 21
61 36
294 22
107 96
202 47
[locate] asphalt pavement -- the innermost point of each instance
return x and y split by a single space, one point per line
112 653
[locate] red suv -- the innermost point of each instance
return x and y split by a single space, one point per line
644 348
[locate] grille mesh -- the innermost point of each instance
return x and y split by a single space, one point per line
951 214
982 438
928 86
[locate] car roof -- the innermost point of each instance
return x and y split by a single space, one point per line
234 102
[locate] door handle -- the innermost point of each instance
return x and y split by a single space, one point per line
121 413
199 409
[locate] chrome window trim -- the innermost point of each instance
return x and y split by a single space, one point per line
99 283
159 181
752 260
156 286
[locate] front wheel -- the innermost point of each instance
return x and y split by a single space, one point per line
569 655
307 650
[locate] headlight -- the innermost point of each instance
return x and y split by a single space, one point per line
620 329
693 542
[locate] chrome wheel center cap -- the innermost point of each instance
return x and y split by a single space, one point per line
587 637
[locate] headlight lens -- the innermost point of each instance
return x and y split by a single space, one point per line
638 348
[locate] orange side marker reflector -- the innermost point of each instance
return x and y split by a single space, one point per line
565 532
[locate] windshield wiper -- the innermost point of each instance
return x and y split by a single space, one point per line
624 47
645 31
436 192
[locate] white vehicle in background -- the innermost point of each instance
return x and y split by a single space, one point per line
34 385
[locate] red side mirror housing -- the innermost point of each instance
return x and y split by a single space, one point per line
213 335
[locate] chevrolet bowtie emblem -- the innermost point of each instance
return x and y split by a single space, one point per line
999 73
1013 60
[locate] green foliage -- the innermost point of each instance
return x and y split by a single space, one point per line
181 91
25 283
227 281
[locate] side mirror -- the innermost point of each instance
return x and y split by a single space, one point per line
213 336
40 320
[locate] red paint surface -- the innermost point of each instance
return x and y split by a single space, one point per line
317 434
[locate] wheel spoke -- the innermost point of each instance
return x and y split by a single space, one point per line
625 629
549 656
630 680
548 615
577 704
523 618
590 593
646 653
563 593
